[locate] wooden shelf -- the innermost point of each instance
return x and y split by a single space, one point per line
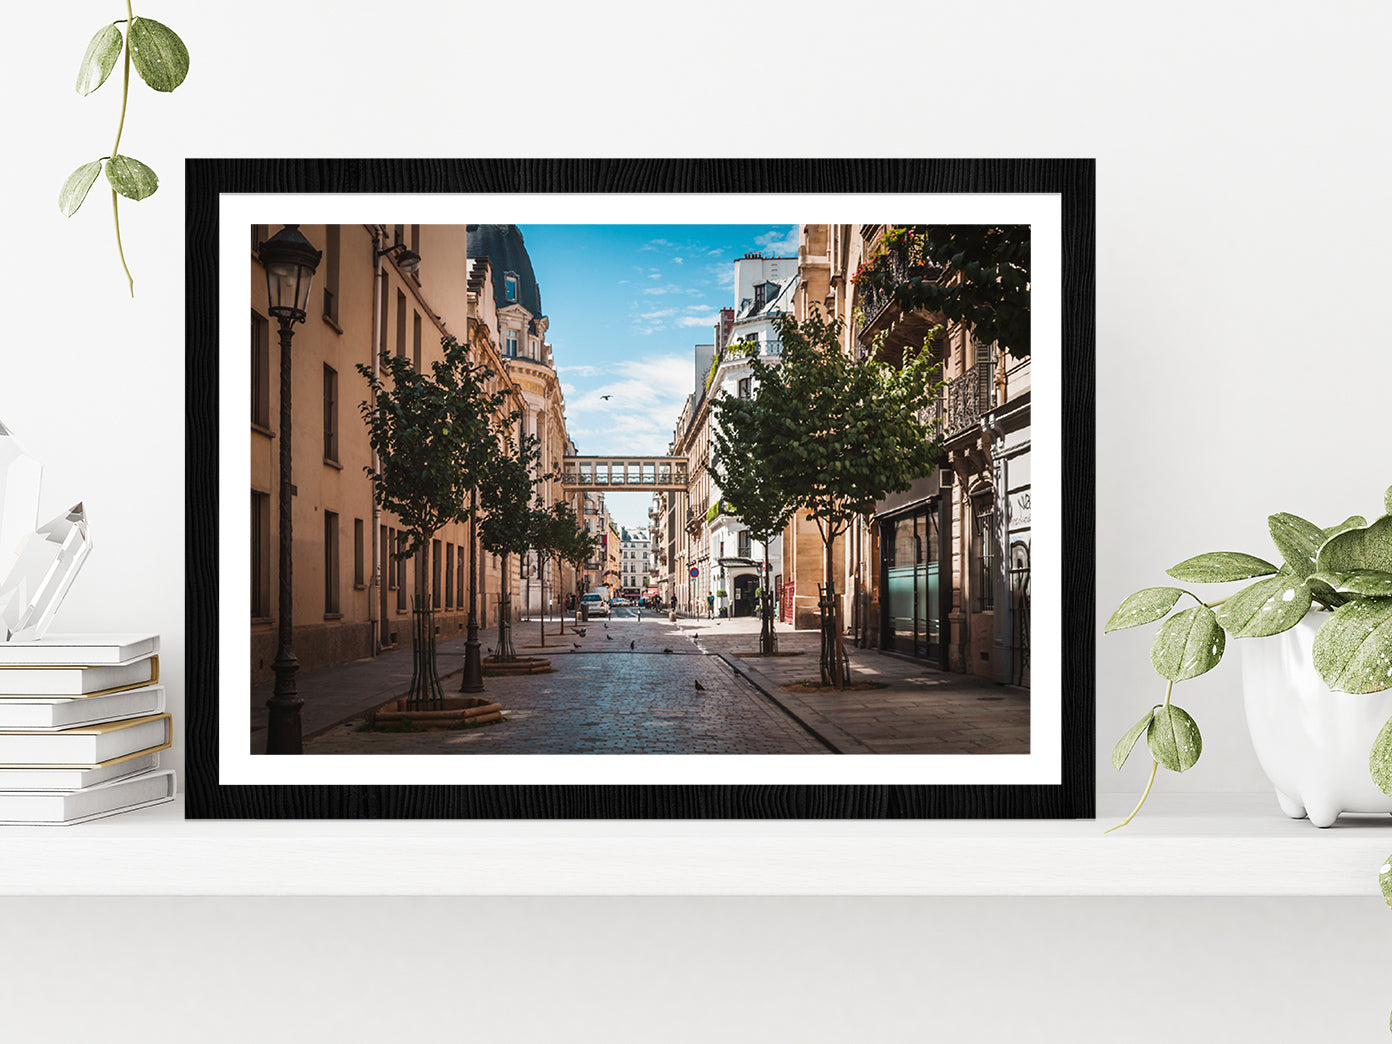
1233 845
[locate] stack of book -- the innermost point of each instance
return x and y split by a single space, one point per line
82 724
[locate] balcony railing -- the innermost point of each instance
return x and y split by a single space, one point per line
968 397
897 266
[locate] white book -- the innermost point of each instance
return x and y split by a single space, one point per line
78 650
49 714
65 807
50 777
87 746
77 681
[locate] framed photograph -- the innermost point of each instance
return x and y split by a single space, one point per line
629 489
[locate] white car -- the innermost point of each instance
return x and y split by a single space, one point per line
594 604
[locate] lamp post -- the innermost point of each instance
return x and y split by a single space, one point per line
290 261
473 663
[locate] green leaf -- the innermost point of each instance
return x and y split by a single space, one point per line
1320 589
1173 738
1385 879
1187 644
130 177
1355 549
1366 583
1122 750
1267 607
1352 522
1218 567
158 54
74 190
1297 540
1353 650
1379 764
1143 607
99 60
1387 500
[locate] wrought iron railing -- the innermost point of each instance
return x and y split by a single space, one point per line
968 397
896 267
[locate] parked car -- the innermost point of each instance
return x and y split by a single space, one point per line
594 604
620 601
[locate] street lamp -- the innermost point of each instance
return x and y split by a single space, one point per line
406 259
290 261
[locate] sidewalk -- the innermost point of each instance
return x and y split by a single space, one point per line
919 710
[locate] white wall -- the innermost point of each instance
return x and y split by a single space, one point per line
1242 368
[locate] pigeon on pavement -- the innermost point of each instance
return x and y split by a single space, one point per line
666 650
575 645
632 644
700 687
608 637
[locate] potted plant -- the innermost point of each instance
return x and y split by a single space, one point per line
1327 615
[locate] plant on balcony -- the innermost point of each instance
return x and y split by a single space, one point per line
977 275
436 437
835 436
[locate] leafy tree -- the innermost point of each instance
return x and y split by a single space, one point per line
837 435
557 534
739 468
978 275
435 436
506 492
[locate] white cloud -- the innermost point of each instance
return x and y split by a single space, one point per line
655 275
677 260
582 370
641 408
780 243
622 282
698 320
714 253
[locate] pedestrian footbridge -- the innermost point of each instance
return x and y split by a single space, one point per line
624 474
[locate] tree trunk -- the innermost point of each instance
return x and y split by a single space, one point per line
541 579
768 641
833 652
505 650
426 692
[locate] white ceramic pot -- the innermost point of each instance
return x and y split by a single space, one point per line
1312 743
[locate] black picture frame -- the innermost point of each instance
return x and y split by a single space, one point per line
1073 181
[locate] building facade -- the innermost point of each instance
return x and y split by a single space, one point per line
939 572
352 597
509 303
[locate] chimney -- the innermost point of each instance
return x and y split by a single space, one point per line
727 323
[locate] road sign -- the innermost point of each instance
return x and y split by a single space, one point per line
695 571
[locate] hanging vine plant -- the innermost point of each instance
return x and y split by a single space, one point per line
162 61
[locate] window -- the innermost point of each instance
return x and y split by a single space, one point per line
331 233
459 575
435 574
330 563
260 555
449 576
260 370
398 235
399 564
510 287
746 545
400 323
416 342
511 344
258 236
359 570
983 553
330 413
415 238
382 335
745 386
760 293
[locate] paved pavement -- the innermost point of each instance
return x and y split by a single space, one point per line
604 697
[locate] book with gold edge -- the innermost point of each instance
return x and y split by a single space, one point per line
46 713
62 777
77 681
88 745
79 650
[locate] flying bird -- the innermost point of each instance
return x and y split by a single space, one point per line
606 396
700 687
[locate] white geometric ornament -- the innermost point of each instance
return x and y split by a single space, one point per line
40 575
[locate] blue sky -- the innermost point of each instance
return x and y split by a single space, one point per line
627 304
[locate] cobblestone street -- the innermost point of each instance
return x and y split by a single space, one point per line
607 699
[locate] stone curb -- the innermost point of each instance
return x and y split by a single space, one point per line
814 721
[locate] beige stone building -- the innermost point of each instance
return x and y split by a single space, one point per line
940 572
351 598
508 300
